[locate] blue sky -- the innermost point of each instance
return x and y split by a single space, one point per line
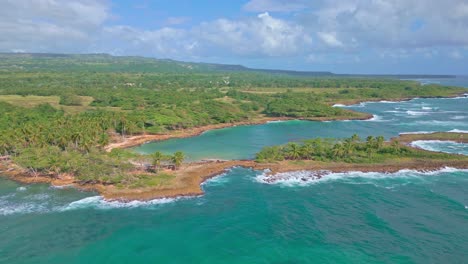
343 36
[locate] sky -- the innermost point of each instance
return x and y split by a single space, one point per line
342 36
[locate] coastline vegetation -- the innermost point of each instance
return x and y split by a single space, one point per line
58 113
349 150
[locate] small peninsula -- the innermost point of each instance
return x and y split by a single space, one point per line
321 155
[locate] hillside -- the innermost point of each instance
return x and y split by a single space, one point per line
33 62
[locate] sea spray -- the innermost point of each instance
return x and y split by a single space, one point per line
304 178
98 202
441 146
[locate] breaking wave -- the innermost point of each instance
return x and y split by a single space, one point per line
305 178
20 202
442 146
458 131
97 202
376 118
417 132
416 113
338 105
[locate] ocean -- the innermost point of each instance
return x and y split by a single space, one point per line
355 217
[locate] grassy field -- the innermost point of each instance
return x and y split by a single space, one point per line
273 90
31 101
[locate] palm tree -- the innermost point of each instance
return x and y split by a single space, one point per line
370 142
370 152
338 150
293 151
318 146
156 159
396 146
355 138
178 158
348 146
307 151
380 141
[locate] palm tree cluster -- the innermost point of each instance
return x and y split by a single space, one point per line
81 132
158 159
349 149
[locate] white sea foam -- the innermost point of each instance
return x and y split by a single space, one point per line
45 203
277 121
430 132
390 102
417 132
429 144
220 179
426 108
363 104
338 105
458 117
7 208
464 96
304 178
375 118
458 131
62 186
97 202
21 188
440 123
416 113
441 146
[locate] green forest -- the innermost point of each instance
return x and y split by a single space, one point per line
58 112
349 150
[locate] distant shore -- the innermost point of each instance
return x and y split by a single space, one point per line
137 140
133 141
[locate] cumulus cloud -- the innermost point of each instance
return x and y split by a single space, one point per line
49 25
164 42
263 35
391 28
330 39
392 23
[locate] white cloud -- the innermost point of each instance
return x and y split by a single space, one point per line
392 29
392 23
263 35
164 42
330 39
49 25
275 5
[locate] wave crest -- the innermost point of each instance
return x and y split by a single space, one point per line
304 178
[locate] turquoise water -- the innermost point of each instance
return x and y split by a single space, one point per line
390 119
405 217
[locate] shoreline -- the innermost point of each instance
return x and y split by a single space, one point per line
350 102
189 178
139 140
